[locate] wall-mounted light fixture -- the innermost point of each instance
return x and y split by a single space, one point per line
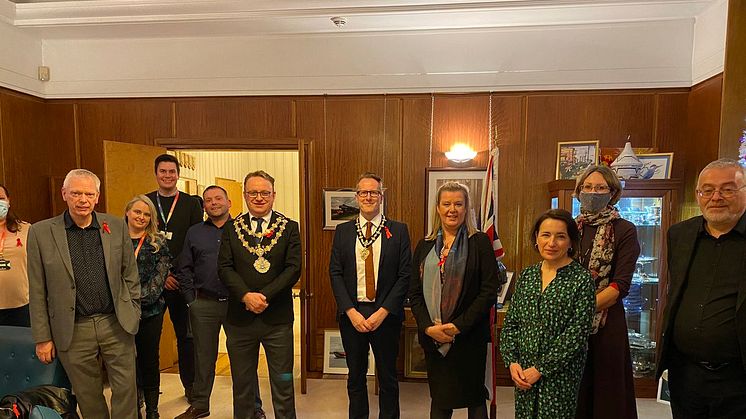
460 153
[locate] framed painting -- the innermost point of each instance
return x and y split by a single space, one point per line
656 165
414 357
340 206
575 156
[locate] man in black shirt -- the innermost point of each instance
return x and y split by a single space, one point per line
704 338
176 213
206 297
85 298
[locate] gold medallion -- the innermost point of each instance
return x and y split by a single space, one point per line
261 265
364 253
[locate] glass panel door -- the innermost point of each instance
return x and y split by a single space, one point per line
641 303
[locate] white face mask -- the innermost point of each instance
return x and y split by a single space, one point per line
4 207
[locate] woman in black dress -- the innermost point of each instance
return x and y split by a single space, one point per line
453 286
153 264
609 249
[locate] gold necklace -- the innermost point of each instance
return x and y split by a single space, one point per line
261 264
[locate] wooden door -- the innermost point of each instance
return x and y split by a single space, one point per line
129 171
235 194
304 169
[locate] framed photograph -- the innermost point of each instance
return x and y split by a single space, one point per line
664 394
414 357
339 206
656 165
335 357
473 178
504 290
575 156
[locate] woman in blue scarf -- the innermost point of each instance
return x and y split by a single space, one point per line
451 297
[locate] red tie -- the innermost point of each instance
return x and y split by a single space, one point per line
370 279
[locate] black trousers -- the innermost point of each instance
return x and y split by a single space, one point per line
700 393
147 343
179 313
473 412
385 344
243 350
18 316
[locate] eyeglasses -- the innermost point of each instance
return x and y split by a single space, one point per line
372 194
724 193
595 188
254 194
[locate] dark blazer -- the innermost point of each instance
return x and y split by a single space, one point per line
52 285
393 268
236 271
682 238
478 293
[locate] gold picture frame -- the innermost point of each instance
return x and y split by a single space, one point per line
575 156
414 357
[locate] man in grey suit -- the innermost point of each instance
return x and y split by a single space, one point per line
85 298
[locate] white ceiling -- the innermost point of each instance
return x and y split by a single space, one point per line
94 19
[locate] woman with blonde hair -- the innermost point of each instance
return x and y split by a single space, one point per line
453 286
153 264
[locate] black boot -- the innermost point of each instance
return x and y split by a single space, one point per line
151 404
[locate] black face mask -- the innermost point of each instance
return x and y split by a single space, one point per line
594 202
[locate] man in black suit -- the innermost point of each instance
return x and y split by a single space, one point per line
177 212
704 335
369 270
259 262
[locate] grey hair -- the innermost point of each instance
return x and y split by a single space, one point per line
724 163
82 173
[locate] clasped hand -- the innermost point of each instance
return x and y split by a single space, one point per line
363 325
442 333
524 379
255 302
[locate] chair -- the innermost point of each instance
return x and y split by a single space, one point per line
21 369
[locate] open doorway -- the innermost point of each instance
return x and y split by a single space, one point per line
227 169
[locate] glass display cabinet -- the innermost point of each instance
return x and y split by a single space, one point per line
652 206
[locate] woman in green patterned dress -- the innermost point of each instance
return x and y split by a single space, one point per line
545 334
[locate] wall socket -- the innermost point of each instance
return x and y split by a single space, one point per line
43 73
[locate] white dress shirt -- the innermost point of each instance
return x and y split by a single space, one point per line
265 224
360 262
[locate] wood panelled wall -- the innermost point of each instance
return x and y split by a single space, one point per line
390 134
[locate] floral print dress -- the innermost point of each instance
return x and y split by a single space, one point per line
549 330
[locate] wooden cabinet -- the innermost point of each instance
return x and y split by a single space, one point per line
652 205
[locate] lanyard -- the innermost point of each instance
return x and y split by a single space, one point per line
170 212
139 245
2 242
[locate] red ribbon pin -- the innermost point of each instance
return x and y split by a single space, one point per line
106 228
388 232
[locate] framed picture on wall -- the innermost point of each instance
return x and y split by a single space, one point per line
339 206
575 156
473 178
335 357
414 357
656 165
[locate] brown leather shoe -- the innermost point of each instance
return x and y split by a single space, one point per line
259 413
193 413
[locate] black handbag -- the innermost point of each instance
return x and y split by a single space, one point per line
20 404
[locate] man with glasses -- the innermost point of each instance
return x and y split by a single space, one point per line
369 270
259 262
704 334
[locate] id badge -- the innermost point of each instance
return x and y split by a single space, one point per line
169 235
4 265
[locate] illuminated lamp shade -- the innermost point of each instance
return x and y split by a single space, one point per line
460 153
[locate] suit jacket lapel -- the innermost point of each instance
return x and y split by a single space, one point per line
741 286
60 238
686 250
384 246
